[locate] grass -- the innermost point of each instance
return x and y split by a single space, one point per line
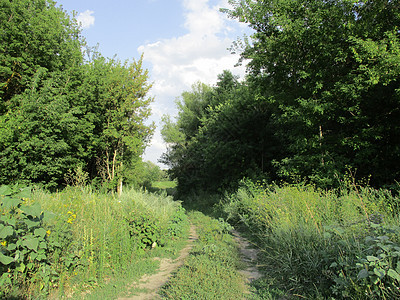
211 271
164 184
163 187
93 238
321 244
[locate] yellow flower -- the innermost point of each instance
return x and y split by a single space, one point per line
48 232
71 217
4 243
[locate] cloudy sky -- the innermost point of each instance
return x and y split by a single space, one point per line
183 41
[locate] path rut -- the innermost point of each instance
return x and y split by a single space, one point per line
152 283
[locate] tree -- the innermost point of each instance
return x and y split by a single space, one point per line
59 113
233 137
327 66
116 102
34 35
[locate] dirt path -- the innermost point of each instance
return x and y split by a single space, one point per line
249 256
152 283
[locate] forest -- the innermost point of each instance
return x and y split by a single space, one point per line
302 156
320 100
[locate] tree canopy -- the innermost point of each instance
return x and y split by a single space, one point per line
60 112
321 96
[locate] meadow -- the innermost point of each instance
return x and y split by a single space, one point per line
73 242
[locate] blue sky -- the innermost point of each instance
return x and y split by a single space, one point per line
183 41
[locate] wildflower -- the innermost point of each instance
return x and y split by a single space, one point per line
71 217
48 232
4 243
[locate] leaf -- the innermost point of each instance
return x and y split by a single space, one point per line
11 247
362 274
24 193
48 216
34 210
21 267
379 272
10 203
33 255
5 190
5 260
6 231
372 258
31 243
31 223
41 232
392 273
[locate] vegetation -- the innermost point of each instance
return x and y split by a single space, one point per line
211 271
321 97
319 107
60 113
75 240
319 244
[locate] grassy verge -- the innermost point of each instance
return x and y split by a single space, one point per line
321 244
71 243
211 270
164 187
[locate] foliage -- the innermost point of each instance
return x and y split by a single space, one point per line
221 134
371 267
210 272
317 243
321 97
116 103
59 112
327 66
88 240
35 35
26 248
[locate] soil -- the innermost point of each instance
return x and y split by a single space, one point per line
150 284
249 256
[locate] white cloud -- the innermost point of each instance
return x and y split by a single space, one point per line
199 55
86 19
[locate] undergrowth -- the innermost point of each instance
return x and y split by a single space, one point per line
69 243
315 244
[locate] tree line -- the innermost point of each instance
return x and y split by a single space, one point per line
321 99
63 106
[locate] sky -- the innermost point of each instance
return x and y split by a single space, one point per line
182 42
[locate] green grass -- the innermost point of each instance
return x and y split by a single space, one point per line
321 244
97 237
164 184
211 271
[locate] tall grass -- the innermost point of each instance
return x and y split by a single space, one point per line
95 236
321 244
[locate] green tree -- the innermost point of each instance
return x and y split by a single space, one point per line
34 35
332 70
233 137
116 103
58 113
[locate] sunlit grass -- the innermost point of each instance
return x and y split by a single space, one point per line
105 235
314 243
